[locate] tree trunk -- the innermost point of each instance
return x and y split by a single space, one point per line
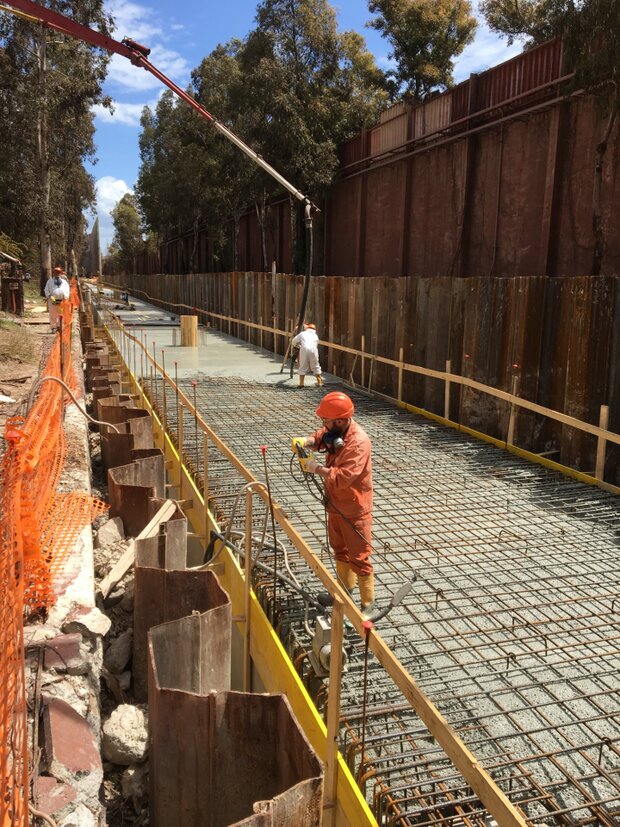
237 220
260 215
44 170
293 217
597 219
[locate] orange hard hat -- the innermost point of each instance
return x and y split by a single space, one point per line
58 269
336 405
310 325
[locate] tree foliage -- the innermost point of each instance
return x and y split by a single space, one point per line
294 89
425 36
532 21
127 241
48 84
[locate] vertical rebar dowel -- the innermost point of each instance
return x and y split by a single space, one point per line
273 528
367 632
155 403
247 666
194 383
180 438
163 383
205 481
142 360
400 374
333 714
176 388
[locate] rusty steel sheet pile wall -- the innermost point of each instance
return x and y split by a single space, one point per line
235 755
492 177
559 338
38 530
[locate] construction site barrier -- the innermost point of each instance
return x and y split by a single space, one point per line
38 530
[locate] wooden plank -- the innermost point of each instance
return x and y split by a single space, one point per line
333 715
123 565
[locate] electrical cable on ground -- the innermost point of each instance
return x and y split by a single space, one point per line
43 379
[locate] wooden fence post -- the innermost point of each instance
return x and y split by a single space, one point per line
446 398
601 444
513 412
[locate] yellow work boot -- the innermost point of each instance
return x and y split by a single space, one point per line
319 380
367 594
347 577
301 381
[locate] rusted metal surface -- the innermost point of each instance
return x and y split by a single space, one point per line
492 329
236 758
133 433
166 591
131 487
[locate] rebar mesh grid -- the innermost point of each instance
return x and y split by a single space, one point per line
512 626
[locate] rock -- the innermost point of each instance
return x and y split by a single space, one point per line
70 748
115 596
110 532
126 603
118 653
63 654
54 798
125 736
134 784
87 621
35 635
80 817
124 680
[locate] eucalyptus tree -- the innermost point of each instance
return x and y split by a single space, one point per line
307 89
55 80
127 241
425 37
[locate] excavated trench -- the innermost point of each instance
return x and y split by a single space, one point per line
511 628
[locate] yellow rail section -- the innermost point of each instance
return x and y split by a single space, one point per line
276 668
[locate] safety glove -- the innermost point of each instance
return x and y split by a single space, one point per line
298 441
308 465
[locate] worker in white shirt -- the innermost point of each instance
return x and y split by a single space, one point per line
56 292
308 343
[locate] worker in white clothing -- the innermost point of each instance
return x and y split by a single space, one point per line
308 343
56 292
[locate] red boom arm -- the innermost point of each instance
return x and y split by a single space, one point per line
138 55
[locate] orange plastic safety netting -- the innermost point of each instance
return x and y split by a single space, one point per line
39 528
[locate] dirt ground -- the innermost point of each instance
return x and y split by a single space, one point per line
24 344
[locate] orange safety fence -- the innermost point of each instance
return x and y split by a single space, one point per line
39 528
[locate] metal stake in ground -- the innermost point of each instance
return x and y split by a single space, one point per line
194 383
263 449
367 631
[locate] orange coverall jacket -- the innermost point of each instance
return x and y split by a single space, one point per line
348 481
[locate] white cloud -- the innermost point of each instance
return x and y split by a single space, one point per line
136 21
142 23
124 74
487 50
124 113
109 192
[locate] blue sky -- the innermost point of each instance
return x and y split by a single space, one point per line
180 34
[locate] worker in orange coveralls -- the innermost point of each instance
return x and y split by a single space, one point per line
347 475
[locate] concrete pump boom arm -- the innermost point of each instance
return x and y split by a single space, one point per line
138 55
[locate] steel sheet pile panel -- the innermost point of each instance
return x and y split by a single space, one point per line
510 628
235 758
